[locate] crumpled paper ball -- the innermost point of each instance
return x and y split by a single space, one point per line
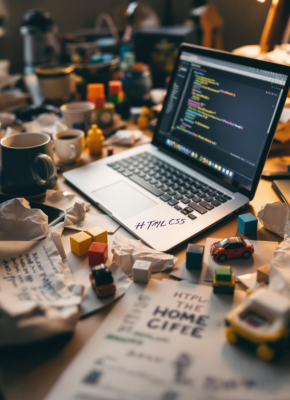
20 222
127 251
279 275
274 217
63 200
75 215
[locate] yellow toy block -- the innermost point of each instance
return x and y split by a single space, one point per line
80 243
98 234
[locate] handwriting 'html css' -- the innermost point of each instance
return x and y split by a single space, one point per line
157 224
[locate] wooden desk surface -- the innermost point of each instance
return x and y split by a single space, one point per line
29 374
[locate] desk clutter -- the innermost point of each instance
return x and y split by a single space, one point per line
212 323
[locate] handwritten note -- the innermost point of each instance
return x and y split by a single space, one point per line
34 272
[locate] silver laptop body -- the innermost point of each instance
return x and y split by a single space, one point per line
117 186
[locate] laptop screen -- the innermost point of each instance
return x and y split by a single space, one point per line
219 113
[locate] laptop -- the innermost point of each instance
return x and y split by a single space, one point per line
208 151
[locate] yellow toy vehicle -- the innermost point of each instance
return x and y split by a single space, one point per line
261 322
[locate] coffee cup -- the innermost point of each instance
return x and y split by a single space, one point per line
57 82
27 166
68 145
78 111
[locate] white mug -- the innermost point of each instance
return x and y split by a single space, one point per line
78 111
68 145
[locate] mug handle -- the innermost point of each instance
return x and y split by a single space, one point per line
50 170
73 151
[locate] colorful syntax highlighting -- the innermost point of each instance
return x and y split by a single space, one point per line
196 106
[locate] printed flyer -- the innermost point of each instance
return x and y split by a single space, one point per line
166 341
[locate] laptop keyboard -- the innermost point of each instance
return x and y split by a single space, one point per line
179 190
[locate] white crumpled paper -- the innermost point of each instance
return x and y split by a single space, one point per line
127 251
279 276
274 217
19 222
75 215
124 137
76 220
91 302
38 293
63 200
46 123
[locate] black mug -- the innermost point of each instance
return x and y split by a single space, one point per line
27 166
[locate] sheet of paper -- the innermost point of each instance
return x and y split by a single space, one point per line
38 293
182 273
167 341
264 252
33 271
249 280
91 219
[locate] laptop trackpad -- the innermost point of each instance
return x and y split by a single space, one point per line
122 199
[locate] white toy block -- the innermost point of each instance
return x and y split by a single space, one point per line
142 271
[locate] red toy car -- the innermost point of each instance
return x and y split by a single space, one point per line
231 247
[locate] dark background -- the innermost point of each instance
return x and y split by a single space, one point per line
243 19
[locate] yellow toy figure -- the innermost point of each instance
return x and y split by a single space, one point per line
95 140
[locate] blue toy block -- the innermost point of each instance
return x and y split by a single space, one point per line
247 224
194 256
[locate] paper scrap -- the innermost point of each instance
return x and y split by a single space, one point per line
63 200
91 303
182 273
124 137
279 275
274 217
36 287
127 251
46 123
19 222
75 215
91 220
249 280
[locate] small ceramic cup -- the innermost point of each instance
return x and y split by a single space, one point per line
68 145
78 111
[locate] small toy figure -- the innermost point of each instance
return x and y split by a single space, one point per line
231 247
223 280
262 321
110 151
194 256
102 281
95 140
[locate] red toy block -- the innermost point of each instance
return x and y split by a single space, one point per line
98 253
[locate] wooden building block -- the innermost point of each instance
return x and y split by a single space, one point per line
80 243
247 224
194 256
98 234
263 274
98 253
142 271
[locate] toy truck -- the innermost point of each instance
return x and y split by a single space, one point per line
102 281
261 322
